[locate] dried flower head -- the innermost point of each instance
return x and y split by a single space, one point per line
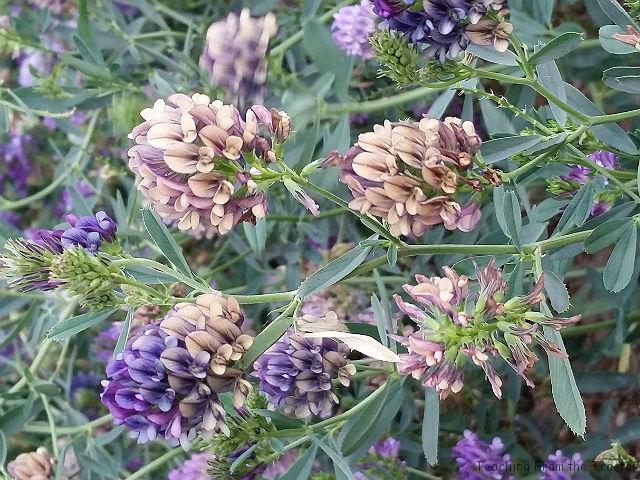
235 55
168 380
297 373
409 173
36 465
193 158
456 327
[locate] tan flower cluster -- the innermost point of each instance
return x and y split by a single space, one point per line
408 174
199 371
36 465
191 153
235 54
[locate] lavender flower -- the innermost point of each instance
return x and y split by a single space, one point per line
17 165
296 374
580 175
352 27
388 448
478 460
389 8
194 468
446 13
167 380
561 467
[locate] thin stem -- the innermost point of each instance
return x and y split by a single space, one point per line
307 218
265 298
143 262
39 358
421 474
52 425
378 104
157 463
614 117
39 427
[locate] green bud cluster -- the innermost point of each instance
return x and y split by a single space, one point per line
399 58
93 277
26 264
559 186
634 8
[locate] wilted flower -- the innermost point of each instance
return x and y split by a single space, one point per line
36 465
297 373
168 380
193 157
491 32
194 468
235 53
351 28
456 327
478 460
560 467
408 173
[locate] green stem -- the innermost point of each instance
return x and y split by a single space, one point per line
52 426
232 261
265 298
157 463
378 104
13 204
143 262
40 427
614 117
588 328
421 474
307 218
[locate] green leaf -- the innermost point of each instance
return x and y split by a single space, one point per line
622 210
619 269
79 323
606 234
431 425
613 45
611 134
549 75
269 335
381 319
256 235
578 210
392 255
495 119
280 421
616 13
124 334
563 385
85 40
623 79
339 463
501 148
357 430
238 461
164 240
302 468
490 54
556 291
513 218
334 271
556 48
3 448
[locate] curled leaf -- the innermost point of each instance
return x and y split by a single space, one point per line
361 343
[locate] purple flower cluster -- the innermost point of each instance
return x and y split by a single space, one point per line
296 374
580 175
167 380
105 342
561 467
447 26
195 468
17 165
351 28
478 460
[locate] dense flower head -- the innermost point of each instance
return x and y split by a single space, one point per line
192 156
351 28
446 27
408 173
297 373
456 327
168 380
561 467
235 55
479 460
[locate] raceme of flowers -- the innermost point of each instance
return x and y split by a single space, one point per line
456 326
69 258
193 157
479 460
234 55
351 28
445 28
297 374
413 174
167 381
